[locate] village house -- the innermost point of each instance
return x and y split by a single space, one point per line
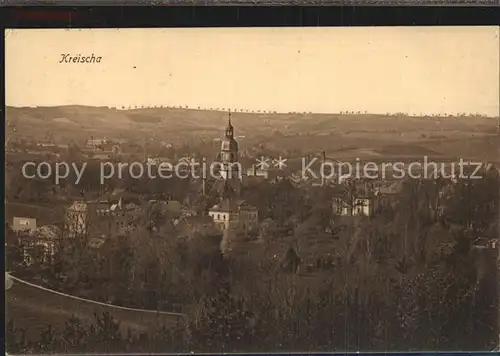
158 160
102 156
23 224
89 218
101 149
78 218
118 213
280 176
186 211
365 197
386 194
482 243
355 198
39 245
360 205
234 215
96 143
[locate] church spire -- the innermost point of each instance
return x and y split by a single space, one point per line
229 128
230 170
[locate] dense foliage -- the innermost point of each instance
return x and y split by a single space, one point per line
406 279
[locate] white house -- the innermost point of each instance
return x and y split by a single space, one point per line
22 224
78 218
234 215
40 244
358 206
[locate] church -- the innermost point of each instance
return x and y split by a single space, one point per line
232 213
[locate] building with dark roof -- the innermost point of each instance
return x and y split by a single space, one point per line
236 215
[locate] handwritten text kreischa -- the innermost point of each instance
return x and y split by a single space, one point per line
80 58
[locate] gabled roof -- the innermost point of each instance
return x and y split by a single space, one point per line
360 194
226 206
96 242
485 242
389 188
230 205
50 232
199 219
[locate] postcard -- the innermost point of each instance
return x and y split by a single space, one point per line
252 190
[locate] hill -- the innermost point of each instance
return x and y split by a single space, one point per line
338 132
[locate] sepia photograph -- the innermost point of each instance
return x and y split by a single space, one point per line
259 190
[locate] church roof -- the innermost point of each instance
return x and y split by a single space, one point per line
229 125
228 142
78 206
228 205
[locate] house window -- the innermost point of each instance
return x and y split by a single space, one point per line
218 216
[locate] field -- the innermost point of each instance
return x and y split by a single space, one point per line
343 135
33 309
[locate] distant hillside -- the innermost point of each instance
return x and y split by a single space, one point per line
487 148
408 150
315 131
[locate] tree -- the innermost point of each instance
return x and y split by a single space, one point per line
224 322
74 334
48 341
14 252
474 203
15 339
291 261
106 329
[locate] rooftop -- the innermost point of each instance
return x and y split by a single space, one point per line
228 206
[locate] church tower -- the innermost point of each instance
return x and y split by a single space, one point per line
231 214
230 167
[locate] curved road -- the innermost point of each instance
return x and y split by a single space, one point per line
33 308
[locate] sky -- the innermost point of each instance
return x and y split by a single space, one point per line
430 70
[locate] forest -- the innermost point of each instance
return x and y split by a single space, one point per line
407 279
